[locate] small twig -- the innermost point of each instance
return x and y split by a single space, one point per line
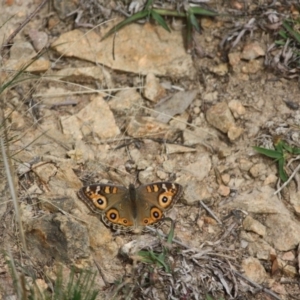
288 181
258 286
21 26
210 212
64 103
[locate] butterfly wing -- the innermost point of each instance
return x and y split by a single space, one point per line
152 200
111 201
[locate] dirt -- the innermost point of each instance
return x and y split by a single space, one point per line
85 126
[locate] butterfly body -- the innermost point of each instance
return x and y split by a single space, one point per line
132 208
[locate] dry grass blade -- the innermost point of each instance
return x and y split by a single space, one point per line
13 193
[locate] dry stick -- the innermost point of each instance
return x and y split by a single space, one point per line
288 181
21 26
210 212
258 286
13 194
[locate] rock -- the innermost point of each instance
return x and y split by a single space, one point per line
271 179
283 231
180 122
254 270
220 70
252 67
194 190
260 249
162 175
63 9
39 39
295 201
143 126
200 167
234 59
57 236
129 50
258 170
286 269
289 256
153 91
234 132
237 108
86 74
146 175
245 164
253 225
20 50
225 178
210 97
252 51
125 100
88 121
223 190
169 165
220 117
177 104
258 201
45 171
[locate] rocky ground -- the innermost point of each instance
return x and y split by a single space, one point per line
139 108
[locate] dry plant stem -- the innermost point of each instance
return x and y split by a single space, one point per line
15 274
21 26
210 212
288 181
13 194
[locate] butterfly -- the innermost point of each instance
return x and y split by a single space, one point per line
133 208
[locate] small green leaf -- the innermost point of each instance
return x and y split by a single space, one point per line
295 151
202 12
283 34
282 173
158 18
268 152
168 12
148 4
194 21
290 30
140 15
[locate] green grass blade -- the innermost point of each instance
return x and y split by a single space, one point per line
168 12
133 18
148 4
268 152
160 20
290 30
194 21
189 34
203 12
282 174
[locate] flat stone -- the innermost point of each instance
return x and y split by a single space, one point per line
223 190
261 201
137 49
283 231
253 225
86 74
237 108
125 101
252 51
200 167
234 132
220 117
254 270
96 117
153 91
143 126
